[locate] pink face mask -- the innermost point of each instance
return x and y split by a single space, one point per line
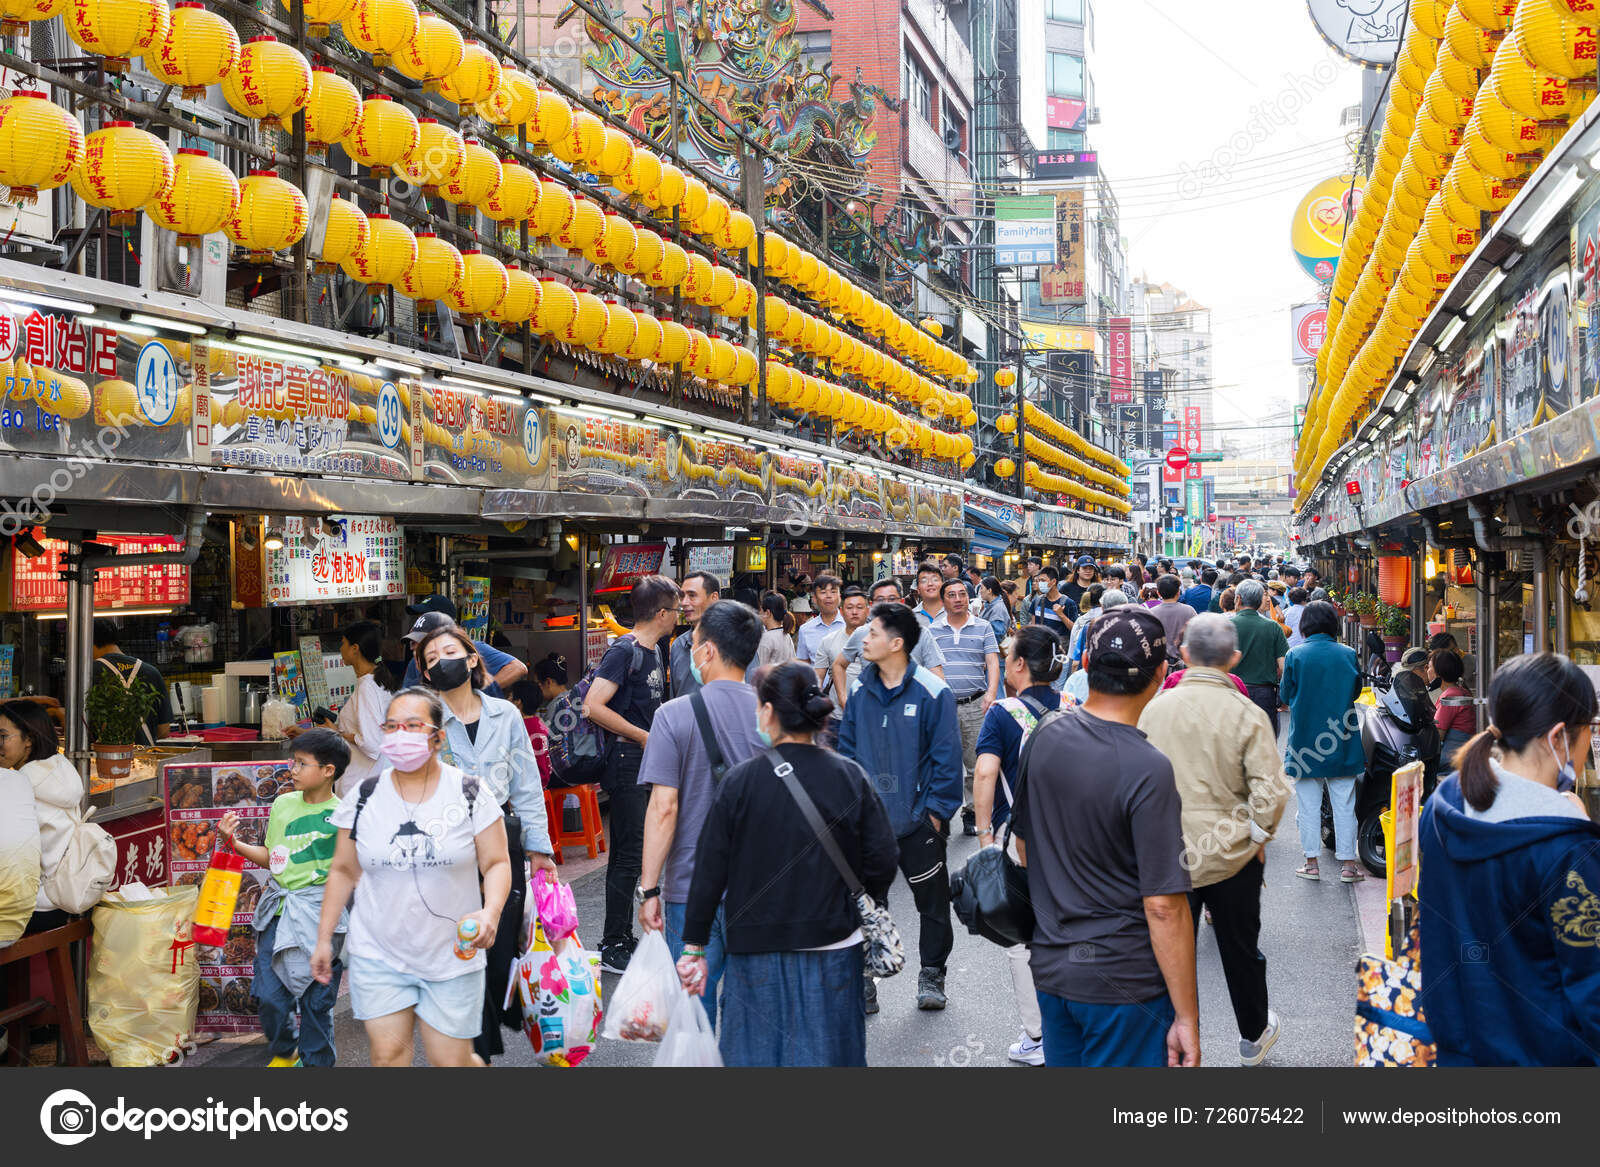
406 750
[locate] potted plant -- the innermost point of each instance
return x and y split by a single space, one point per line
1365 606
1396 624
116 712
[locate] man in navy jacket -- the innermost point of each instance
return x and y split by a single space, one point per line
900 725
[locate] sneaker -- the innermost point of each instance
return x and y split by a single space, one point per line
1252 1053
870 994
930 989
1027 1050
283 1063
614 957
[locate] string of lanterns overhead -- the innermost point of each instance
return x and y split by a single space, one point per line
1482 90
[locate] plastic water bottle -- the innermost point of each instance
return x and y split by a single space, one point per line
466 937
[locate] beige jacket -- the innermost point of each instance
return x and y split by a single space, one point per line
1228 769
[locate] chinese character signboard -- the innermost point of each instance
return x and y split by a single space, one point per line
1024 231
1308 323
1063 281
1121 345
1072 374
626 562
483 439
37 584
596 454
1048 164
716 558
352 557
1192 438
197 796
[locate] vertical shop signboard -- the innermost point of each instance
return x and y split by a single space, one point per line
8 664
313 667
1121 362
1193 439
197 796
288 671
249 574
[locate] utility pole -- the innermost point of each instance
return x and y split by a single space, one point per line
1022 420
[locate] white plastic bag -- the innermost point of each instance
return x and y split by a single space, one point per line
689 1041
645 996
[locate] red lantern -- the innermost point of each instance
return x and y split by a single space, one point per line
1394 580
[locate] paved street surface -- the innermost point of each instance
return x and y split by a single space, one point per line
1310 935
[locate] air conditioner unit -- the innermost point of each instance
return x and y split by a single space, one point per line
1091 115
952 139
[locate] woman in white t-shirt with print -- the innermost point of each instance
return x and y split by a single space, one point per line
413 853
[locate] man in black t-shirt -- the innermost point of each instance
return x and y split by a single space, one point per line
109 658
629 686
1113 947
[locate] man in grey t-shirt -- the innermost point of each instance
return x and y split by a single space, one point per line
677 769
847 664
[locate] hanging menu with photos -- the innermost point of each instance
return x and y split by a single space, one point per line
353 557
38 585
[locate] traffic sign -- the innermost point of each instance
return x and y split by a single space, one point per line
1177 458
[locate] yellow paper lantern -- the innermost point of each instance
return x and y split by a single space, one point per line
1562 46
382 28
1470 41
587 222
669 190
320 14
520 300
696 195
41 144
1006 423
475 79
777 313
478 179
617 153
550 120
331 111
271 81
438 159
554 212
387 257
742 304
271 216
646 254
346 234
1531 92
558 304
614 244
723 360
584 140
674 343
483 285
122 170
642 175
201 198
697 282
517 196
673 268
513 102
16 15
437 271
386 134
587 323
619 331
117 30
737 233
713 218
647 339
198 50
1005 468
1005 378
432 54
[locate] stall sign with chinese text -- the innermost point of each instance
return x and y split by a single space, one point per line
355 557
37 584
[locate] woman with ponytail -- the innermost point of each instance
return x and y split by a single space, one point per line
791 990
777 642
1510 923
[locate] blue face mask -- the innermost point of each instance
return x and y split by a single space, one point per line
766 738
694 670
1566 776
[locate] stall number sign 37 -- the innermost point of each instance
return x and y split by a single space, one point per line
156 380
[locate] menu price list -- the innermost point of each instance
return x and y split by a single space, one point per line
38 585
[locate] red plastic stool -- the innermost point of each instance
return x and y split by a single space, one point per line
591 834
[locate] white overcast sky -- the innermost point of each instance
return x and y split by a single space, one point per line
1175 81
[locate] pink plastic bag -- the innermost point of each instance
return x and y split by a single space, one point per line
558 910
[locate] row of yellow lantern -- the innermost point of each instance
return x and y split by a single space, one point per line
1040 479
1036 447
805 393
1041 422
1456 145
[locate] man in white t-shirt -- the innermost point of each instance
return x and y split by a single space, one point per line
848 663
825 595
853 608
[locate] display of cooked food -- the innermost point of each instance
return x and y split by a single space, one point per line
234 788
251 831
193 840
236 997
249 897
210 996
241 945
267 788
190 791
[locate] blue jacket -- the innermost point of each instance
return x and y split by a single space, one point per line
1197 597
908 741
1510 936
1321 681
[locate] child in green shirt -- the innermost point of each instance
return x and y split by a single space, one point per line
298 853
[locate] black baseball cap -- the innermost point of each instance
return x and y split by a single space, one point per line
1126 640
435 603
426 623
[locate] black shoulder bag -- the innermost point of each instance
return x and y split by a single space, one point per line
990 894
708 738
884 953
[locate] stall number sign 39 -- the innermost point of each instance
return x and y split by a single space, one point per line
156 380
389 415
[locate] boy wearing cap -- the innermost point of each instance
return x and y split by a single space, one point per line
1099 829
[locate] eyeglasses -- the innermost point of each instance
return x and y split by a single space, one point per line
415 725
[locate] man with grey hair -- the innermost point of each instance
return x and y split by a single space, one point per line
1262 647
1229 774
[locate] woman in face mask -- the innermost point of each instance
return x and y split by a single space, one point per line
791 993
485 736
1510 862
414 842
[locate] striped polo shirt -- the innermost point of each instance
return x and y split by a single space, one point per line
964 650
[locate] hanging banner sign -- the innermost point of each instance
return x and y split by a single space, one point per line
1063 282
1121 345
625 563
38 585
348 558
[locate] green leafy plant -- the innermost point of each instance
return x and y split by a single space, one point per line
1364 604
115 712
1395 621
